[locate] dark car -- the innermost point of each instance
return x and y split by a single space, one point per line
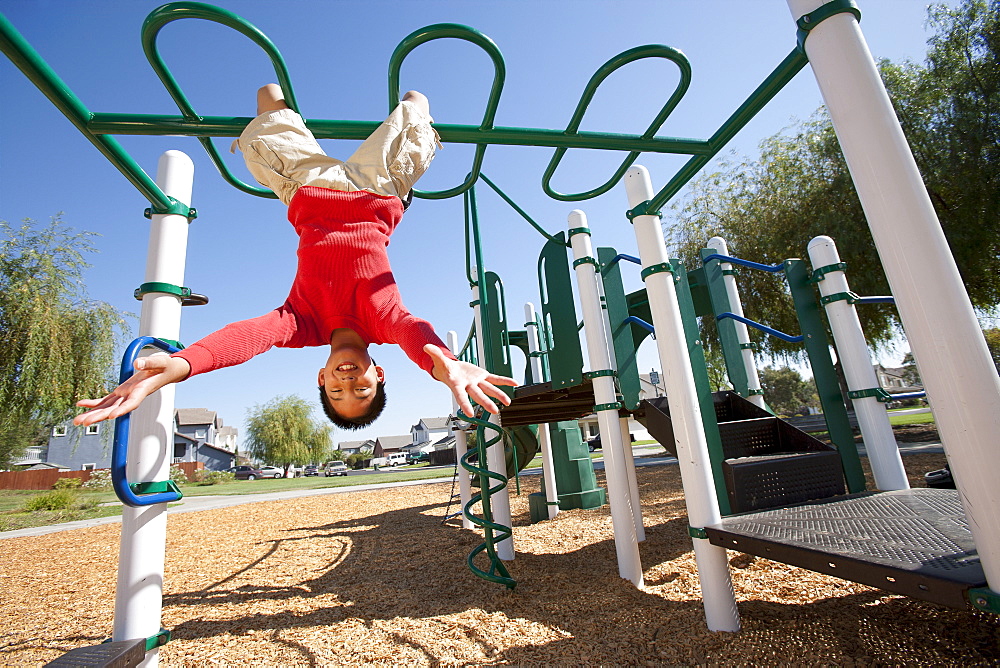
246 472
594 443
310 470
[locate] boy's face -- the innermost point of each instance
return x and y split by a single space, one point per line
350 379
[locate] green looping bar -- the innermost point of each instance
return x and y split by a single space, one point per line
656 269
695 532
578 230
599 373
850 297
607 407
748 346
809 21
587 260
819 274
876 392
643 210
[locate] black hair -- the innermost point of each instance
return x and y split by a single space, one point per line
374 410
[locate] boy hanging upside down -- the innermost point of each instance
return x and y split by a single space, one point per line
344 294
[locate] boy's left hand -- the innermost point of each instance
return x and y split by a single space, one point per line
465 380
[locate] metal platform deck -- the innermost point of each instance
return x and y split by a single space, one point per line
913 542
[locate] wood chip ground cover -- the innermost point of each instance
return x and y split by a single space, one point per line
378 578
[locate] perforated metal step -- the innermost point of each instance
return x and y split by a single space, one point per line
914 542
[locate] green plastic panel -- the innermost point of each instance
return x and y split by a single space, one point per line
702 385
825 376
621 332
559 315
719 298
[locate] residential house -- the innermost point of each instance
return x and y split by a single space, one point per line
355 447
386 445
199 436
429 434
196 439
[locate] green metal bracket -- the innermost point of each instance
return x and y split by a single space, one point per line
656 269
809 21
176 207
159 640
587 260
577 230
600 373
155 487
695 532
819 274
877 392
608 407
748 346
188 298
643 209
850 297
983 598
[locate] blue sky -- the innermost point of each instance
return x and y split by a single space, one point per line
242 249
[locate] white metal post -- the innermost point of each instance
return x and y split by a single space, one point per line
461 447
548 467
718 244
852 351
940 324
139 595
495 460
685 413
633 484
605 396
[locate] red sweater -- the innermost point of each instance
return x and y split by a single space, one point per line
343 280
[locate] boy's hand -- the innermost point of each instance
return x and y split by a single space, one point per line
465 380
151 373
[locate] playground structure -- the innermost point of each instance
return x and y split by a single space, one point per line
961 381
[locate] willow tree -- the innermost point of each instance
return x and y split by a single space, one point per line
769 207
283 431
56 345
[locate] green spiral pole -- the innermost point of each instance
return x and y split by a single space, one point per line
492 531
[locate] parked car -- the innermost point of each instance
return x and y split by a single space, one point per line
310 470
272 472
336 467
396 459
246 472
419 457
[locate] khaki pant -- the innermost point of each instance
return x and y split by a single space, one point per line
283 155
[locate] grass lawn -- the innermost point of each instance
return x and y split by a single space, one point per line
910 418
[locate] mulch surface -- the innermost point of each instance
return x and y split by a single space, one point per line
379 578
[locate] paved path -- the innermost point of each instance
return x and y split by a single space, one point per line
648 455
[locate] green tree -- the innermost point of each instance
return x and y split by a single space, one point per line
769 207
911 376
785 391
56 345
283 431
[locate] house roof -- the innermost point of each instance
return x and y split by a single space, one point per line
185 437
47 465
189 416
435 422
394 442
226 431
356 445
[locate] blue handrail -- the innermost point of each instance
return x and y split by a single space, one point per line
125 491
907 395
622 256
642 323
773 268
877 300
763 328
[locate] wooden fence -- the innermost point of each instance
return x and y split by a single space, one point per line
46 478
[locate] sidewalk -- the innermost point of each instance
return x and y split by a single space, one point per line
647 455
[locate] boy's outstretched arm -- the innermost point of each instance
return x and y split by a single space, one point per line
151 373
468 380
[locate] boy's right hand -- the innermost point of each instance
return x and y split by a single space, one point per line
151 373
